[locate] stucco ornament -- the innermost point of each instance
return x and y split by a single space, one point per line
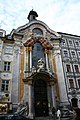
40 64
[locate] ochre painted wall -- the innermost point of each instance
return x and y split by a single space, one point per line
22 73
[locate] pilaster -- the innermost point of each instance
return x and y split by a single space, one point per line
30 102
22 73
47 62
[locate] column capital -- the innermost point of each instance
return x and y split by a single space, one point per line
26 48
29 48
46 51
30 82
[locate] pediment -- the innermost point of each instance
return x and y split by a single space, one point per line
37 24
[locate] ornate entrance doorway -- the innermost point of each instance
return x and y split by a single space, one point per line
40 98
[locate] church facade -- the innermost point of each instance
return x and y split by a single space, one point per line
39 66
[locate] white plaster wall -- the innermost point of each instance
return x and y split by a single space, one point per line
61 80
7 57
6 76
15 78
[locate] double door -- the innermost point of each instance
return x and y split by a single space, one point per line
40 98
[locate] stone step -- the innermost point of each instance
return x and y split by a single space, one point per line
44 118
49 118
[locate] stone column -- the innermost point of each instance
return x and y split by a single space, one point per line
30 51
30 102
26 62
78 102
49 99
26 92
53 96
46 53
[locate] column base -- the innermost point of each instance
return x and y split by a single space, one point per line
31 115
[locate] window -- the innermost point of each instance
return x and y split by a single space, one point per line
63 42
76 68
77 43
38 47
79 83
37 31
65 53
8 49
73 53
68 67
5 85
79 53
1 34
71 83
70 42
7 66
37 53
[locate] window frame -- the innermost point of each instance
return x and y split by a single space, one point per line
63 42
8 67
38 50
67 68
73 56
1 33
5 85
78 82
77 45
75 70
37 31
7 50
69 83
65 55
78 53
70 44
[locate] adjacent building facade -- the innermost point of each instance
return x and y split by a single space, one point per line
70 52
39 66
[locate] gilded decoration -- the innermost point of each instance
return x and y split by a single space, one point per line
43 42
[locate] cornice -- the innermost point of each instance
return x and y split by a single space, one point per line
26 26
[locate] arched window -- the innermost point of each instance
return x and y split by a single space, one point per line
38 31
37 53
